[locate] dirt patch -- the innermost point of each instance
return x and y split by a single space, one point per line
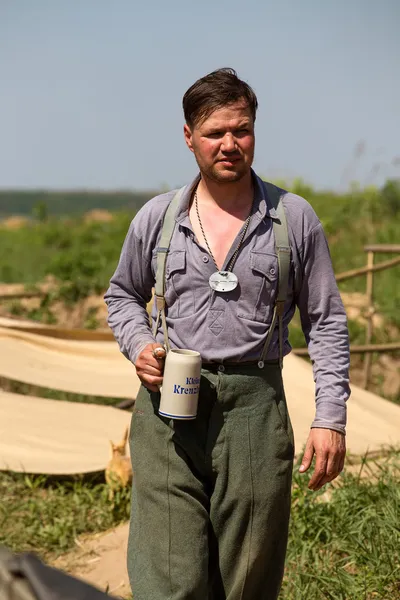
98 215
357 309
385 375
90 313
15 222
100 560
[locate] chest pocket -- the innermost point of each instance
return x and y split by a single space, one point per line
179 294
258 290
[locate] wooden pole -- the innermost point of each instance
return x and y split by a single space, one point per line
356 349
370 316
383 248
378 267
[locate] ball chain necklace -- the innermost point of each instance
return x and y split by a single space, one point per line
222 281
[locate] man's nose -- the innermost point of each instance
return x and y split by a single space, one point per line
228 143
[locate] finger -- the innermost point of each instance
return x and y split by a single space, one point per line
319 471
341 463
148 362
150 369
307 456
325 480
158 352
147 358
153 378
152 355
332 471
337 468
150 380
332 468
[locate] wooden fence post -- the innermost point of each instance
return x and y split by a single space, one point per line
370 316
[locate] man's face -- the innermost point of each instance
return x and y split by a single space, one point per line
223 144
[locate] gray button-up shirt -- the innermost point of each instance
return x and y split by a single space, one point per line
232 326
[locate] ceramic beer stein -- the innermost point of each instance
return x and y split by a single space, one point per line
181 383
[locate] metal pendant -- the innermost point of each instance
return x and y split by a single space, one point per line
223 281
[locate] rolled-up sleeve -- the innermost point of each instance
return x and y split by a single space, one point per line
324 324
128 294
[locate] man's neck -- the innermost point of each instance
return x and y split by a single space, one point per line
228 196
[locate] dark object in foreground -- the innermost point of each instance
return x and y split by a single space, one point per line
26 577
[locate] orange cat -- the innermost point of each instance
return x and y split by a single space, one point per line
119 469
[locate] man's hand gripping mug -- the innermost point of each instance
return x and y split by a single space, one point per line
181 383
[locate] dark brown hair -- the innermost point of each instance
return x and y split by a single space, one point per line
216 90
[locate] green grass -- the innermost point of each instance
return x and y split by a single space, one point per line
344 547
45 516
82 254
18 387
347 548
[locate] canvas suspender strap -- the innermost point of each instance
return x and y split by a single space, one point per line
283 252
162 251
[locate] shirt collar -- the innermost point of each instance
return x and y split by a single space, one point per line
262 204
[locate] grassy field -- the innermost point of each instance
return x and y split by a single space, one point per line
344 542
83 255
46 515
347 547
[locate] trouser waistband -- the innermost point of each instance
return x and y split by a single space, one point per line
221 366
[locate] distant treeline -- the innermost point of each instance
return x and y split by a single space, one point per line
26 202
40 204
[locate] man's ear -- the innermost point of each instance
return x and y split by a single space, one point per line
188 136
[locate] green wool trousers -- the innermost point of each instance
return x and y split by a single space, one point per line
211 497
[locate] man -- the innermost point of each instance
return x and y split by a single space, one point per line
211 497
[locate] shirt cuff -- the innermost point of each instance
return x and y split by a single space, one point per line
331 413
140 346
318 425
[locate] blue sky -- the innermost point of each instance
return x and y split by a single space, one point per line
91 90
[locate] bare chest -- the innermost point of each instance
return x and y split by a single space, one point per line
219 229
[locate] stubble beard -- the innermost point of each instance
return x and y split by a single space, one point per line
226 175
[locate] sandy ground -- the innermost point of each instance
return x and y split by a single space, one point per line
100 560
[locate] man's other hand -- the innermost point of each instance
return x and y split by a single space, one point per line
329 447
150 366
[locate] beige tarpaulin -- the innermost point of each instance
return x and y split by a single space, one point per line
372 421
98 368
56 437
93 368
99 335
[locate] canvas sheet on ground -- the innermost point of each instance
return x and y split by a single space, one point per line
57 437
99 335
92 368
98 368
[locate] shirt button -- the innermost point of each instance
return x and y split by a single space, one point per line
272 271
221 368
205 259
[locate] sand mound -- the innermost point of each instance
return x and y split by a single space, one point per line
98 215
